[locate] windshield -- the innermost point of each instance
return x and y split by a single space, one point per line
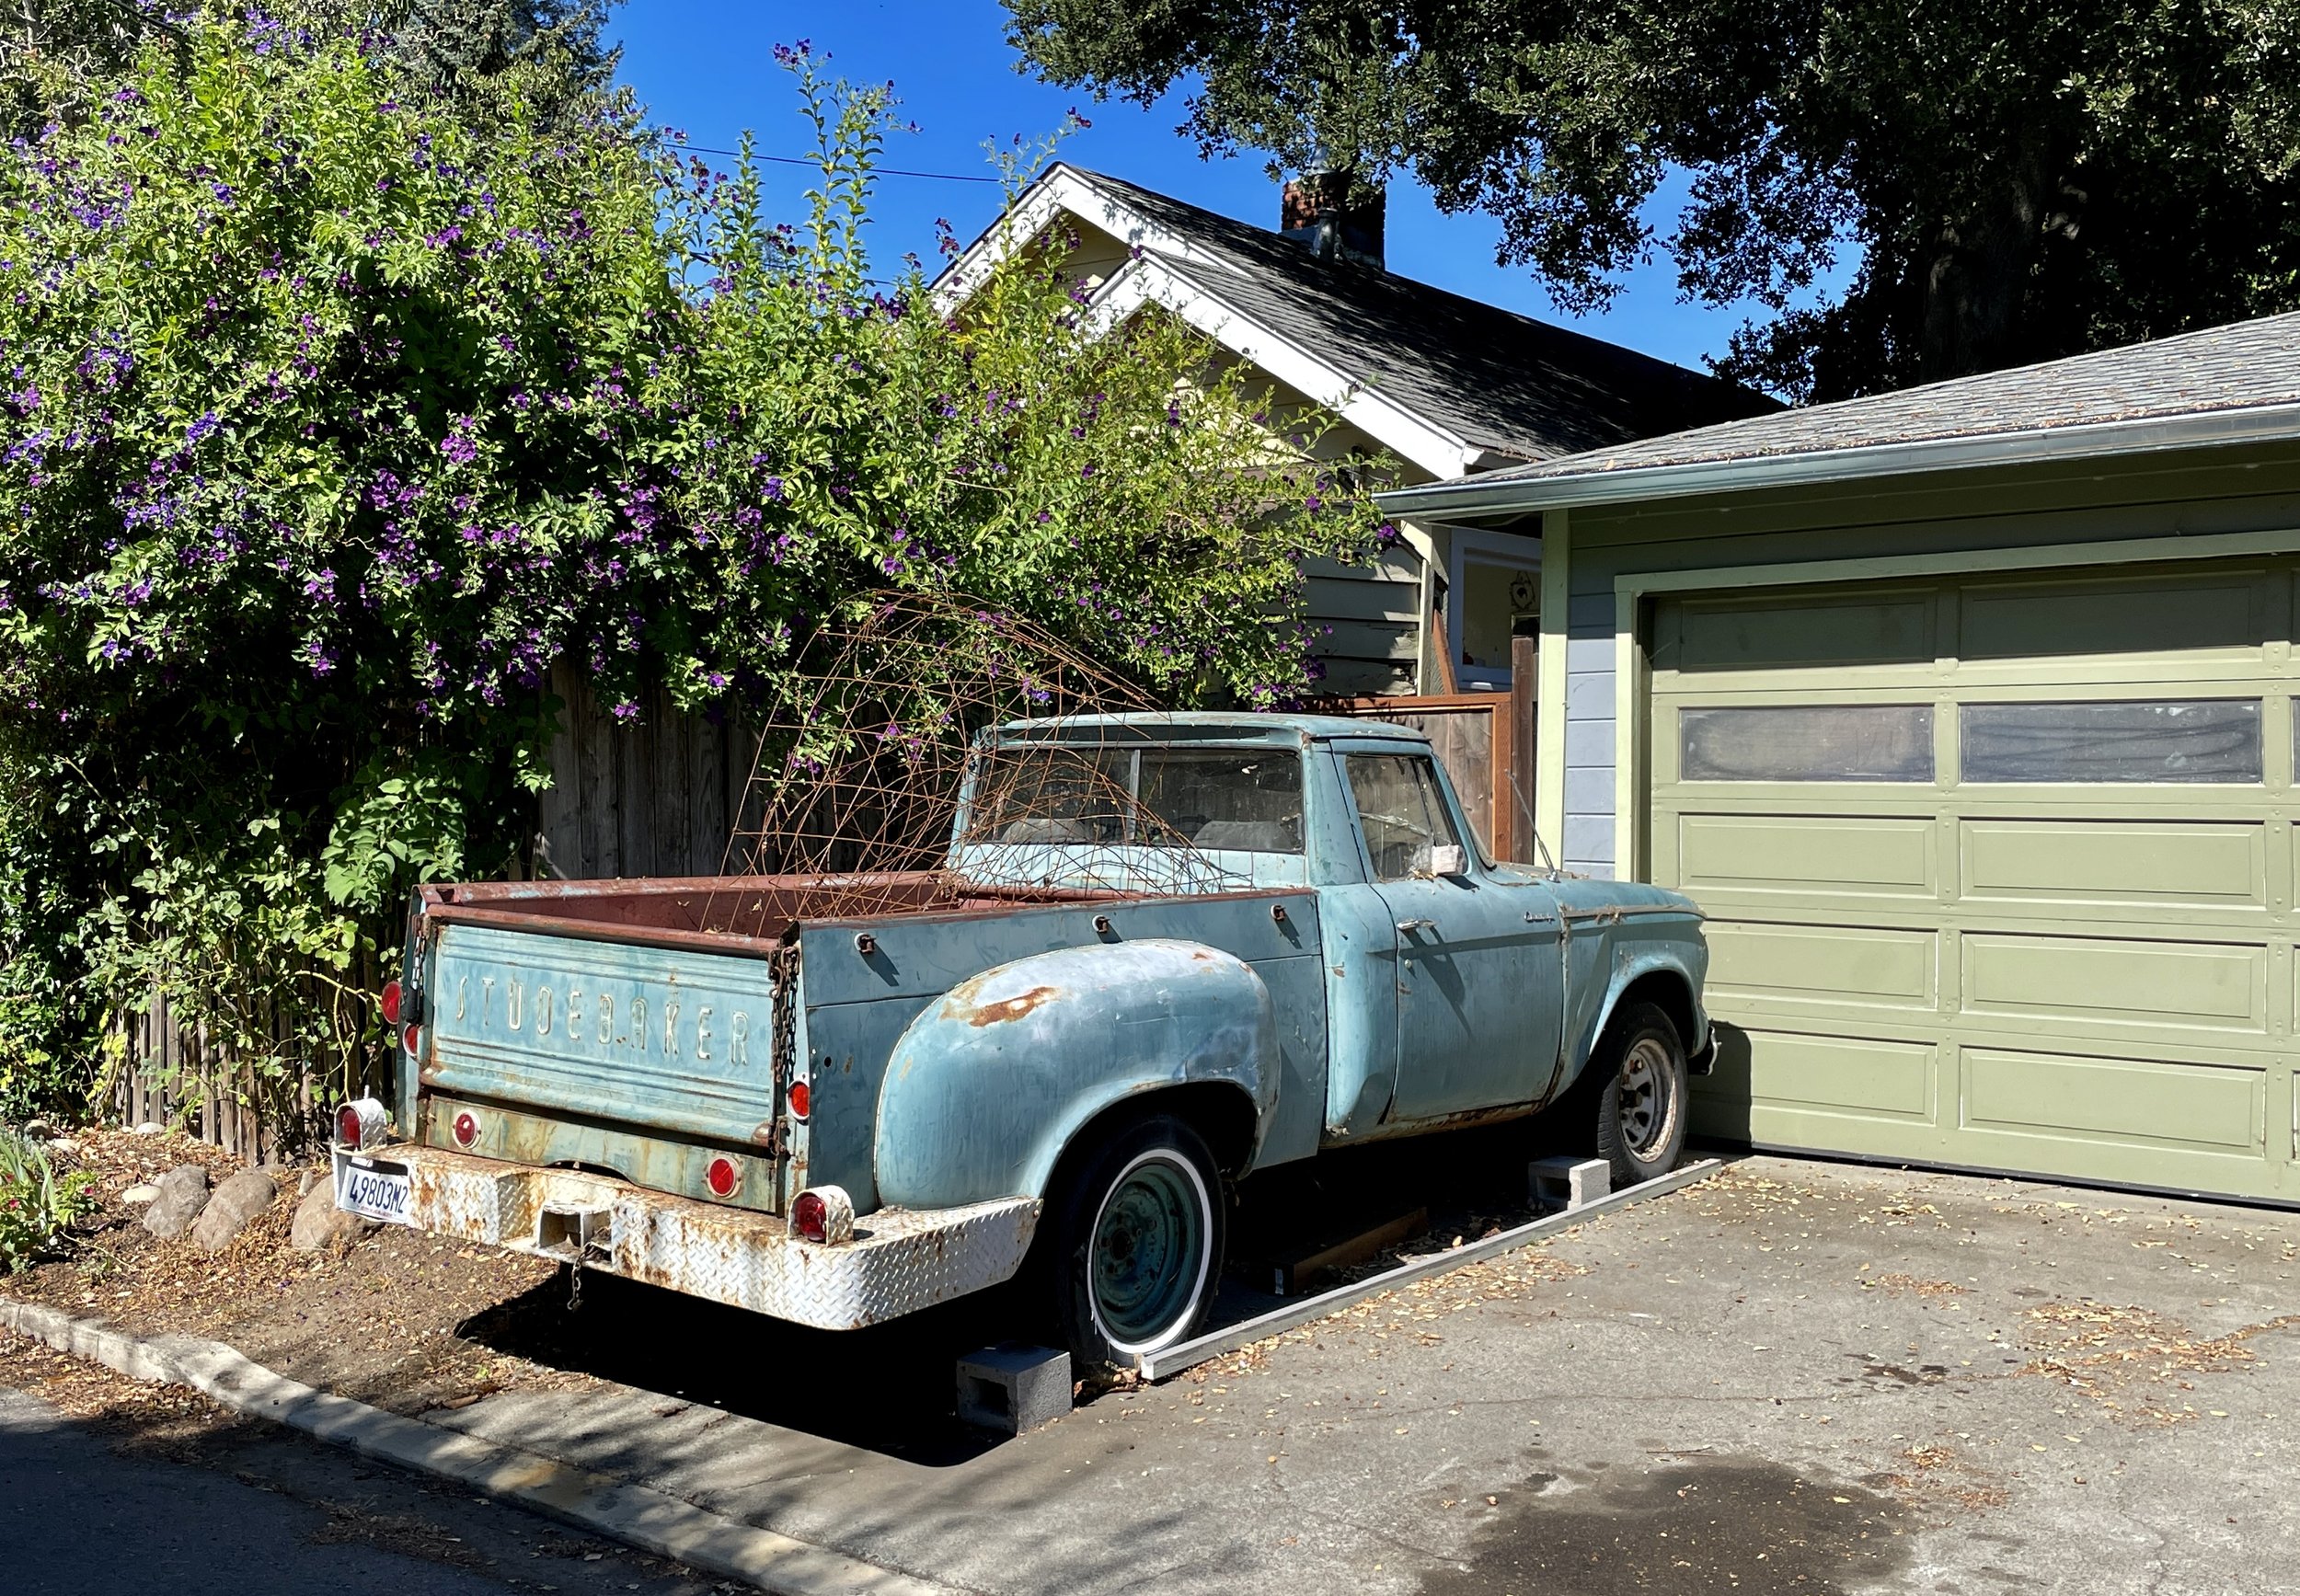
1244 800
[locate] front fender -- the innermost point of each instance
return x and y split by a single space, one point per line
1685 965
991 1082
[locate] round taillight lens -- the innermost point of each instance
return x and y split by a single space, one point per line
466 1128
412 1037
723 1177
390 1001
348 1126
800 1098
810 1217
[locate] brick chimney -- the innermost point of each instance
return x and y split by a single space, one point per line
1315 210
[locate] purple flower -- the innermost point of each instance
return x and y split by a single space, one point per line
201 428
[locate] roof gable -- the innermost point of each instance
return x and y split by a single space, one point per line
1448 382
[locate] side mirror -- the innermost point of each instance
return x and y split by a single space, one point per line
1449 859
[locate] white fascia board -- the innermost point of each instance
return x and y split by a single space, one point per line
1058 188
1144 281
1147 282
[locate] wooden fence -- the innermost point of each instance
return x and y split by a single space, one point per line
165 1068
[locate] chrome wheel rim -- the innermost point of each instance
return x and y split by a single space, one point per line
1148 1259
1642 1098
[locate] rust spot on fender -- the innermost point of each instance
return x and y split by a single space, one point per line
1011 1008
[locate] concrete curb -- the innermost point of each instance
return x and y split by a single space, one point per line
650 1519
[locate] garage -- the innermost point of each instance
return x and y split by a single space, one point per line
1999 870
1967 715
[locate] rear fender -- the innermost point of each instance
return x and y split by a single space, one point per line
989 1085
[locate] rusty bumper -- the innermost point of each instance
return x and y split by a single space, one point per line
900 1261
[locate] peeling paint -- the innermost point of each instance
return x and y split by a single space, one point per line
1007 1009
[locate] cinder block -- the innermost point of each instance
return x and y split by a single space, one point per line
1568 1182
1011 1387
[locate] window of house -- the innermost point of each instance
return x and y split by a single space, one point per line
1495 595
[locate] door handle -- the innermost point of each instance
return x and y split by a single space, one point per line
1411 926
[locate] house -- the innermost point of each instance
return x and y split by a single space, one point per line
1968 714
1447 386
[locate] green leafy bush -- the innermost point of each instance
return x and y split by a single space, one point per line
328 427
36 1203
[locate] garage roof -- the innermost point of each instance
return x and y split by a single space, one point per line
2234 383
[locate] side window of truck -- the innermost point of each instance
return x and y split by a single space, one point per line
1402 811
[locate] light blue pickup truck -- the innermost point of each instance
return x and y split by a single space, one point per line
1249 938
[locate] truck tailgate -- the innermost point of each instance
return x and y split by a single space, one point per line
667 1039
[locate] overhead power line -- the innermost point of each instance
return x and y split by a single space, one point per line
875 171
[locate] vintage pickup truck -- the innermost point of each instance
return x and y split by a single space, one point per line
1058 1052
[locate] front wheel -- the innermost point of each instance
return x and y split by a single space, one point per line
1137 1234
1640 1090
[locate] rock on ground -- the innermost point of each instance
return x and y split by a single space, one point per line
236 1203
140 1194
183 1192
319 1223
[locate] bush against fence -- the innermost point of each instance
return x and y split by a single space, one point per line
328 426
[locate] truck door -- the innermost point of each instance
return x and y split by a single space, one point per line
1479 981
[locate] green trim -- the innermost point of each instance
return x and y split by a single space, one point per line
1628 745
1631 658
1557 591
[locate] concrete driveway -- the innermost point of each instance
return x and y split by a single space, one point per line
1799 1377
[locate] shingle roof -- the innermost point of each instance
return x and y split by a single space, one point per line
2224 368
1498 380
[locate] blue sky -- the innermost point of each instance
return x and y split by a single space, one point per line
706 66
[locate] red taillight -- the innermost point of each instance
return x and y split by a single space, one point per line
390 1001
810 1217
413 1038
800 1097
348 1126
466 1128
723 1177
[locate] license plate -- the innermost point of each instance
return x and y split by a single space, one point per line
374 1188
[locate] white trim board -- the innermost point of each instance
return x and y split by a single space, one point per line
1147 279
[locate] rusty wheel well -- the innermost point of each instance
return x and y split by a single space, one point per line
1667 991
1217 1110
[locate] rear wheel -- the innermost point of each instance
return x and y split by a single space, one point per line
1137 1235
1637 1094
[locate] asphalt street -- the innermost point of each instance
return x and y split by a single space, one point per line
269 1515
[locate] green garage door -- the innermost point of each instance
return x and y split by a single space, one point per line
2000 871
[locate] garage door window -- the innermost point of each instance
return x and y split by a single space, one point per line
1807 742
2164 740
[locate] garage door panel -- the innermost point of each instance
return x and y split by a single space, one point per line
1849 855
1833 965
1864 628
2139 1103
2223 614
1858 1076
2086 864
2106 982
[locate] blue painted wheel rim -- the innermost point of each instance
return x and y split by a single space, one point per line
1147 1257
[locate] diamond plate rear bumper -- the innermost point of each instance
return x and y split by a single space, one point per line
900 1260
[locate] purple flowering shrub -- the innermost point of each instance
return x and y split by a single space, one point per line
328 431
